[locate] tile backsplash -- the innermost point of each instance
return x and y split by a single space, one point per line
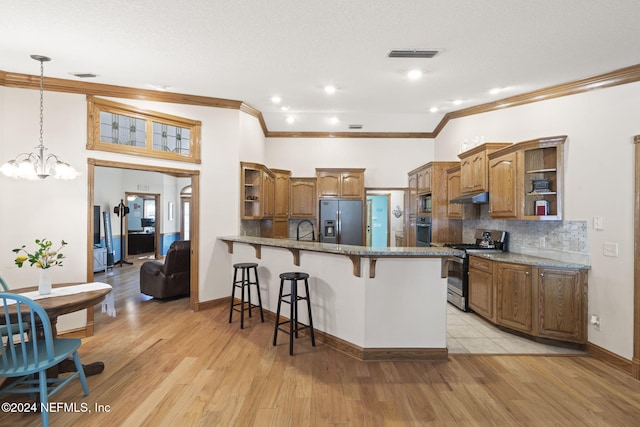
562 240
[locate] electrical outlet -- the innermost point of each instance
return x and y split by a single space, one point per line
598 223
610 249
595 321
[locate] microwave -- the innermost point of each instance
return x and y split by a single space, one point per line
424 204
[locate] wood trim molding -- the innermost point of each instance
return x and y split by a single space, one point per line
635 362
372 135
613 78
608 357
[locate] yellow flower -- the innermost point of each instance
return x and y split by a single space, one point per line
21 258
38 264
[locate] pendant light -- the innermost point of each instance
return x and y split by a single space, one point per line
38 165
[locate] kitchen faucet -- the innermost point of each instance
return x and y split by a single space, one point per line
313 230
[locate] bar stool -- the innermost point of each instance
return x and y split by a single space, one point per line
294 324
243 283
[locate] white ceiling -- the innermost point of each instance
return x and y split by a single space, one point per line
250 50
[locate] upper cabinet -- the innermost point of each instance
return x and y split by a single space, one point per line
454 210
526 180
423 176
474 176
281 207
345 183
303 197
251 190
264 193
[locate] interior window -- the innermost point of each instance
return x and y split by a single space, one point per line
126 129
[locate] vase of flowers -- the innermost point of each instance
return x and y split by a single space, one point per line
43 258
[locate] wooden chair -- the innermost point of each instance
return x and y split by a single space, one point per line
27 361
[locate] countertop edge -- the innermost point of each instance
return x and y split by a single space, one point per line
349 250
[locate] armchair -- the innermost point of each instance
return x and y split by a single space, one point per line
171 278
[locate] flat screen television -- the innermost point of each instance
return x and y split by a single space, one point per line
96 225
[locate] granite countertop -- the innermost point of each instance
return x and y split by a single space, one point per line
350 250
529 260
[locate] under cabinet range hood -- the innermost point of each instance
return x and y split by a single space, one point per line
475 198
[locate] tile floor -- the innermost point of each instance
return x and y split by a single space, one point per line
469 333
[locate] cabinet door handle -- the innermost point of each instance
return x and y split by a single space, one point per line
526 273
541 274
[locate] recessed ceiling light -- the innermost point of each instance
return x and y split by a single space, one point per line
291 119
276 99
334 120
414 74
284 108
433 109
330 90
457 102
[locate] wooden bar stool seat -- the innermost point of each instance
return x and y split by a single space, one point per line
292 299
245 283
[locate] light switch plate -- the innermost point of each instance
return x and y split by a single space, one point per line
610 249
598 223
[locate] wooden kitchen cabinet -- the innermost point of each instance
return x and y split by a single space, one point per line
424 179
268 193
251 190
481 295
454 210
281 188
303 197
474 176
514 298
504 196
545 302
527 177
562 303
343 183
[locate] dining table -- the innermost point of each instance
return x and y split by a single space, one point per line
66 298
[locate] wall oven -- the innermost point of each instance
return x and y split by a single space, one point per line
423 231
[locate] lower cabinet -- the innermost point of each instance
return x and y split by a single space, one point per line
481 287
514 296
562 304
539 301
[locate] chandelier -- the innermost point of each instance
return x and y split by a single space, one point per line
38 165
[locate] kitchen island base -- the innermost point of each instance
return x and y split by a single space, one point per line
399 314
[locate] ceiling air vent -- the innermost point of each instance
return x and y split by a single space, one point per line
355 126
84 75
413 53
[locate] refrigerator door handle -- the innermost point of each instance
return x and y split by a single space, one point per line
339 227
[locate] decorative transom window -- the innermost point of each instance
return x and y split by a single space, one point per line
130 130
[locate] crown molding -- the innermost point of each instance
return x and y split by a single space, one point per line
614 78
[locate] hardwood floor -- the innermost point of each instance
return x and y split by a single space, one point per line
166 365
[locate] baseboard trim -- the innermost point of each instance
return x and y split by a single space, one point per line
357 352
610 358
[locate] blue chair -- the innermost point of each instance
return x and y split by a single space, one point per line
28 360
3 328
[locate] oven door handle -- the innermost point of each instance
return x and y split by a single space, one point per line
444 264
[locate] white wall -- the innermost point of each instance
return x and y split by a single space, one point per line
599 176
387 161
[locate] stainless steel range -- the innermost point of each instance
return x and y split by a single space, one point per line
458 273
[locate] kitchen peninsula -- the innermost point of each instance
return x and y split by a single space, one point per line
372 303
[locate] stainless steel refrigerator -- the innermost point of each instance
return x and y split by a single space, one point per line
341 221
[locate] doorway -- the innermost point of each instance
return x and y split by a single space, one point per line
378 222
185 213
141 230
183 175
